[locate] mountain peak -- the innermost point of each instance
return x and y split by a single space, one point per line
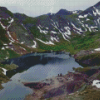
3 8
98 4
64 12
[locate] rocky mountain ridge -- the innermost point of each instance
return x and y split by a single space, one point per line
22 34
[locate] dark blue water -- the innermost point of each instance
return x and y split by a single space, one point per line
59 63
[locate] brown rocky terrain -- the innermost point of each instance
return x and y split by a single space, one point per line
72 86
88 57
57 87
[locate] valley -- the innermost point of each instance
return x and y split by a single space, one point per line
55 42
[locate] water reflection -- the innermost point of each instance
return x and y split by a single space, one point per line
38 67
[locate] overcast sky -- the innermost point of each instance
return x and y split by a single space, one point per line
39 7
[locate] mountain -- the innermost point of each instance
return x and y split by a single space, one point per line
21 34
64 12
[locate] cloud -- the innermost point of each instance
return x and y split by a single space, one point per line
27 2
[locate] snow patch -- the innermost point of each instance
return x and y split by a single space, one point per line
97 11
23 48
67 31
6 57
79 29
96 83
3 48
85 15
49 43
34 46
64 36
80 16
4 71
22 42
55 24
12 48
82 26
4 44
97 49
94 27
10 43
94 13
98 20
42 31
8 26
12 20
6 47
88 27
54 39
2 26
53 32
11 39
87 19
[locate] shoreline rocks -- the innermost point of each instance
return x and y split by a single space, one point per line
36 85
60 85
71 84
88 58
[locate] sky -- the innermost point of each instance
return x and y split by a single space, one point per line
39 7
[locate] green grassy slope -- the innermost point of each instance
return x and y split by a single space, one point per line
76 44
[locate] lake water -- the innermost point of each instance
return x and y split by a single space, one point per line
58 63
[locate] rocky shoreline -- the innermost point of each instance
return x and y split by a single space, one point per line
3 73
70 86
88 57
61 86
